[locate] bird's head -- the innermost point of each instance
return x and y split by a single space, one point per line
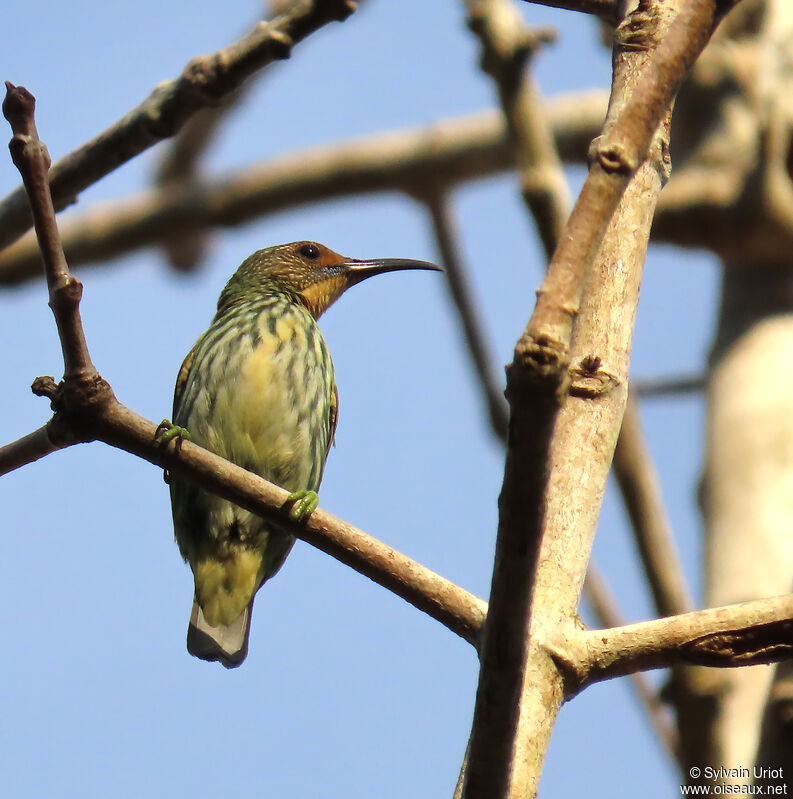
311 272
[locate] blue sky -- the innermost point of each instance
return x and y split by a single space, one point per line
347 691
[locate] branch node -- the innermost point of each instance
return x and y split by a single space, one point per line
590 380
539 366
281 43
44 387
568 663
613 157
639 30
66 293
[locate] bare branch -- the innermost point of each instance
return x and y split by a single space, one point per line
459 288
641 492
204 81
552 530
449 152
655 388
507 47
460 611
26 450
760 631
32 160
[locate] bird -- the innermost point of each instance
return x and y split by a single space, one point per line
259 389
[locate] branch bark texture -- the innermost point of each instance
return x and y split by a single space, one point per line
551 529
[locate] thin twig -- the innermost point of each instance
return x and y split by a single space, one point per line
447 242
178 168
203 82
641 492
507 47
657 388
454 150
32 160
462 612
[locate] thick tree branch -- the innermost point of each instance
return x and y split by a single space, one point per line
205 80
555 528
444 154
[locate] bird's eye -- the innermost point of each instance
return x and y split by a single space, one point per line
309 251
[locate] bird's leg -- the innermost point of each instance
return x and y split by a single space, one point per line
168 431
304 503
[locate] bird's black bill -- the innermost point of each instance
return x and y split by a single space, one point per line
360 270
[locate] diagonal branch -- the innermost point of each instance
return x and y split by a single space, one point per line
641 492
507 47
453 150
460 290
204 81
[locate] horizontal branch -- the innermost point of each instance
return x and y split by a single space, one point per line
760 631
446 153
204 81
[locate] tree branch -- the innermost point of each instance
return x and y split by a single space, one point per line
553 529
641 492
204 81
459 288
27 449
507 47
32 160
450 152
760 631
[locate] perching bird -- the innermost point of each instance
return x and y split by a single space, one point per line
258 388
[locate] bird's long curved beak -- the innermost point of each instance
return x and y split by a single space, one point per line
356 270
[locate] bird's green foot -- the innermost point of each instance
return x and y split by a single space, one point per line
167 431
304 503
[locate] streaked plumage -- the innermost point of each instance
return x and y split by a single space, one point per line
259 389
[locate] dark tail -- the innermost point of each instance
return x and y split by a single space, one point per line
229 644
